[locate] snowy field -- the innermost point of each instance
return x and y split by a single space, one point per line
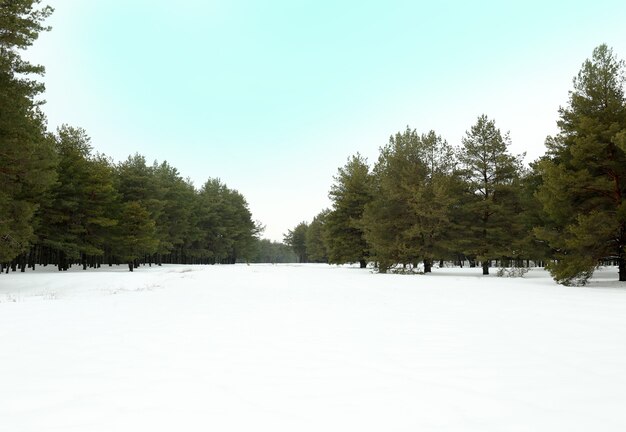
309 348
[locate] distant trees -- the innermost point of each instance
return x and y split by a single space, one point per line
268 251
296 239
227 227
315 240
62 204
98 212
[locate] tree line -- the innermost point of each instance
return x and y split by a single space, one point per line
63 204
425 201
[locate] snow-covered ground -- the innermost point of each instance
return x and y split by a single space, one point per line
309 348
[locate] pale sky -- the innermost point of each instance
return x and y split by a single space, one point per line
272 97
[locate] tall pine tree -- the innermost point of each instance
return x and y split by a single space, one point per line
584 174
26 152
489 219
351 191
389 216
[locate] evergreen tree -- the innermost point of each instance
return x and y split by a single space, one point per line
136 234
387 216
174 222
227 230
268 251
315 239
529 245
26 152
490 220
296 239
431 198
76 218
137 182
351 191
409 218
584 174
389 219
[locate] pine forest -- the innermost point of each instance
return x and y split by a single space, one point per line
422 204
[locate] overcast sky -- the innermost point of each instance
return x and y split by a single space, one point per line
273 96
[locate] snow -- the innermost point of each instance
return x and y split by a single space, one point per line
309 348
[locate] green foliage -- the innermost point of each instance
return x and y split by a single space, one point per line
490 213
408 219
432 198
296 239
228 231
26 152
175 218
21 21
531 216
268 251
76 215
343 229
136 233
388 217
315 238
61 203
584 174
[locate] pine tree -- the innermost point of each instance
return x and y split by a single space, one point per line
174 221
296 239
529 245
76 218
315 239
431 199
268 251
351 191
584 174
227 231
489 218
388 217
136 234
26 152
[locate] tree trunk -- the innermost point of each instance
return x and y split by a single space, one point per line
131 265
427 266
32 257
621 254
23 263
486 267
362 264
